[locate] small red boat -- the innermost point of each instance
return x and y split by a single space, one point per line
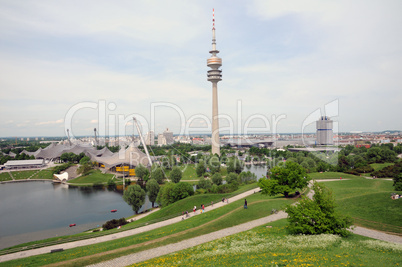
113 210
73 224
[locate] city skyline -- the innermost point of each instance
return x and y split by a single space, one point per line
280 59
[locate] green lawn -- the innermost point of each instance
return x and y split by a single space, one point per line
227 216
369 202
4 176
95 176
21 175
264 246
43 174
331 175
379 166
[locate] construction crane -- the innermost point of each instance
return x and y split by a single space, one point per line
142 141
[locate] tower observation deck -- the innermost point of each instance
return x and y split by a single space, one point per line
214 76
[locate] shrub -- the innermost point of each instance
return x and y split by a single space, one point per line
231 177
114 223
217 178
317 216
204 183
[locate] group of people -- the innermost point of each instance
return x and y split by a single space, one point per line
202 207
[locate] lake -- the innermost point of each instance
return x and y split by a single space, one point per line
38 210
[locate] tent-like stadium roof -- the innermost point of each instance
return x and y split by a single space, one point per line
130 156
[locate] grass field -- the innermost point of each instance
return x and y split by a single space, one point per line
43 174
95 176
369 202
264 246
4 176
227 216
331 175
20 175
379 166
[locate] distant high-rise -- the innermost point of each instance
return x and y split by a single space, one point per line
325 134
168 136
150 139
214 76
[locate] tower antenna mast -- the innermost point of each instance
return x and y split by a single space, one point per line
214 76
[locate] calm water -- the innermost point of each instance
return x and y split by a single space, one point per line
38 210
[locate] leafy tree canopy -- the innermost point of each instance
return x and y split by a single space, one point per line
284 179
317 216
134 195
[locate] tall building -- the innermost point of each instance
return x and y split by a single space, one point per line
325 134
150 139
168 136
214 76
161 140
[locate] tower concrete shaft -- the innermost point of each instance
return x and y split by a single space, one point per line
214 76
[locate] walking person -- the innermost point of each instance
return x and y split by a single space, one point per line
203 208
245 203
194 209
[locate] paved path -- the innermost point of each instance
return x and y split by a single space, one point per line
91 241
171 248
160 251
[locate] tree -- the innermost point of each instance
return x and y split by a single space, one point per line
165 196
247 177
214 164
84 169
204 183
235 165
182 190
231 177
134 195
317 216
284 178
158 175
398 182
176 175
153 190
84 160
217 178
141 171
200 170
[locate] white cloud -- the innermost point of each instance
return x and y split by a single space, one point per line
50 122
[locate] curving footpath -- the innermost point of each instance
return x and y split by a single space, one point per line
171 248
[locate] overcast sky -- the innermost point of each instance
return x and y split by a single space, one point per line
76 64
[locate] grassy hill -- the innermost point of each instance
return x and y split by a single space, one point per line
368 202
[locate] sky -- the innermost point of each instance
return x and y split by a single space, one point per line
81 65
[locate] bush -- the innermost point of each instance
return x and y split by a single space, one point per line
204 183
182 190
247 178
200 170
114 223
231 177
317 216
217 178
200 191
59 168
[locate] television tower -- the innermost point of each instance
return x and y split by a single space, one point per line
214 76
